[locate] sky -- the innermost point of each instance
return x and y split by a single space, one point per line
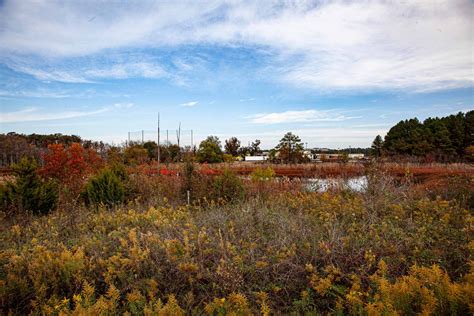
336 73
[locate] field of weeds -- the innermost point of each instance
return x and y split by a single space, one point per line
246 246
325 170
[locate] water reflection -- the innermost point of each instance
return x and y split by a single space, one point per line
357 184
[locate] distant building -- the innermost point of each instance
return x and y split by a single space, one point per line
356 156
255 158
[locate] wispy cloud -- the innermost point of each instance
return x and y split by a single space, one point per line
189 104
37 114
247 100
36 93
73 74
124 105
128 70
52 75
331 45
298 117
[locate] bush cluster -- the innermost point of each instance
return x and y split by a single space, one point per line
106 188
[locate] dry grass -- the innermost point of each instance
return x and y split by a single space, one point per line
390 249
329 169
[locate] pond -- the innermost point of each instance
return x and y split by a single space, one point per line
357 184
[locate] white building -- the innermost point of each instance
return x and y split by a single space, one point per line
255 158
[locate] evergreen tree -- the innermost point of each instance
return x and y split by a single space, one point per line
445 138
28 193
290 148
376 147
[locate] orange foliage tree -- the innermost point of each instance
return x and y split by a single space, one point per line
70 166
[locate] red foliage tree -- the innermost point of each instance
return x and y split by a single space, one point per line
70 165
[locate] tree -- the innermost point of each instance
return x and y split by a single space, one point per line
70 166
255 148
170 153
232 146
210 150
135 154
28 192
290 149
443 138
407 138
439 139
377 145
152 149
243 151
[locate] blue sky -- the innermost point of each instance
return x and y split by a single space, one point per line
336 73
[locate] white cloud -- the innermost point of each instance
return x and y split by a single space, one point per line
124 105
419 45
36 114
77 75
35 93
52 75
128 70
189 104
298 117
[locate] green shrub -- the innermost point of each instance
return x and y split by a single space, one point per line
7 197
189 178
261 174
228 187
28 192
120 170
104 189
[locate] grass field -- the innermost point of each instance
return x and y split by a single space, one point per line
402 246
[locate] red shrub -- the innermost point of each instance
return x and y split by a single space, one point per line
70 164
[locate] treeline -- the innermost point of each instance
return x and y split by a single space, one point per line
14 146
445 139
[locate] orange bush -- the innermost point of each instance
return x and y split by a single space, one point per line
67 164
70 166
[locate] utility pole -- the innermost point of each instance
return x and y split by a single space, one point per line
143 136
158 149
178 135
128 139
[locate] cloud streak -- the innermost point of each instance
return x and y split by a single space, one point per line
70 74
35 114
303 116
189 104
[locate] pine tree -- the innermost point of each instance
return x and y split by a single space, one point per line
28 193
377 145
290 148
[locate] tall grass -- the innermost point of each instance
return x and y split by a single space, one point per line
277 249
